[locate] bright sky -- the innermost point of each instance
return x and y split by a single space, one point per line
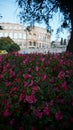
9 11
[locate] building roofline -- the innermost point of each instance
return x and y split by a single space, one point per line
25 26
11 23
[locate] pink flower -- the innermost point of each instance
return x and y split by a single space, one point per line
5 68
12 122
50 58
25 61
58 115
30 99
62 101
52 79
42 59
64 85
6 113
61 61
0 58
27 76
1 76
26 83
21 98
35 89
67 73
52 103
17 80
71 119
21 128
31 83
38 114
37 68
8 106
11 73
57 89
61 75
15 89
72 101
47 111
33 128
8 84
44 77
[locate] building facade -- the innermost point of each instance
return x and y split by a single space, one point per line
36 37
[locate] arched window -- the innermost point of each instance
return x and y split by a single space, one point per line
10 27
20 35
30 43
34 43
15 27
15 35
10 35
1 34
20 28
6 34
5 27
24 36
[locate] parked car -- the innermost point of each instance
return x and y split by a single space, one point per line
3 52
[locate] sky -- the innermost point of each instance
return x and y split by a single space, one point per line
9 11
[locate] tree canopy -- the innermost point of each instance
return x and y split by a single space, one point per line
38 10
6 43
0 18
42 10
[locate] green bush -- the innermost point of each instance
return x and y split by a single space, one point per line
6 43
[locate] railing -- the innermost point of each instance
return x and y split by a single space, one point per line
42 50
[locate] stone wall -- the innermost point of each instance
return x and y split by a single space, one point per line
37 37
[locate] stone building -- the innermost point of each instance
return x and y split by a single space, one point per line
36 37
15 31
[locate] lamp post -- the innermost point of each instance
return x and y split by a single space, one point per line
1 18
26 39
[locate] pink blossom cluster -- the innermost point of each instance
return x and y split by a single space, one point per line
36 91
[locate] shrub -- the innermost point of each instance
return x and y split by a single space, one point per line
13 48
36 91
6 43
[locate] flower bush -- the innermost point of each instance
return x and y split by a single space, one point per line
36 91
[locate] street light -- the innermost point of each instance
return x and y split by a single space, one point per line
1 16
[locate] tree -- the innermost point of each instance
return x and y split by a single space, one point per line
62 41
38 10
0 18
52 43
1 28
13 47
6 43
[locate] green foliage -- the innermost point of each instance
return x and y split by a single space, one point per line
36 91
61 41
43 10
6 43
0 27
64 41
52 43
13 47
